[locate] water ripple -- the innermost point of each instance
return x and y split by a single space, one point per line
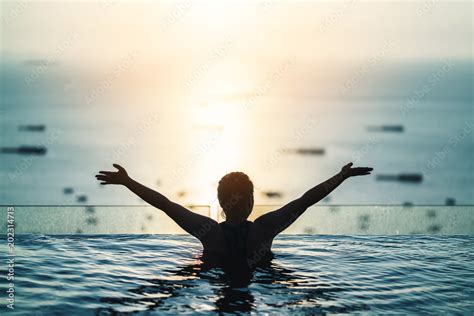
107 274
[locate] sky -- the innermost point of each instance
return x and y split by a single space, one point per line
226 48
309 30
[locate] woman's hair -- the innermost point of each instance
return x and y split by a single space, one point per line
235 193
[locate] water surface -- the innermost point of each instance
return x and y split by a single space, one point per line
103 274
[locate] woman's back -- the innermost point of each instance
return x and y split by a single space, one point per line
236 238
238 244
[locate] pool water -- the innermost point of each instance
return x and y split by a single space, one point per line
105 274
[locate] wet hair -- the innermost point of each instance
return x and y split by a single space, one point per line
235 193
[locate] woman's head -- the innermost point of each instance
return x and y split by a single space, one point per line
235 194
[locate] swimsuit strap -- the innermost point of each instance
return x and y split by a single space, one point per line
236 238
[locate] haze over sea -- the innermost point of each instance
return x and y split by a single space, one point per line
186 160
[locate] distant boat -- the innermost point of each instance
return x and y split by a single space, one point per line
305 151
403 177
81 198
25 150
387 128
68 190
450 202
273 194
32 128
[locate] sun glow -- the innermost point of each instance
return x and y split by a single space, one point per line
221 132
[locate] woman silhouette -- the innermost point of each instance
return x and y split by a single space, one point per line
236 243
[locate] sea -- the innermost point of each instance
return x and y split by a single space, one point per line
183 149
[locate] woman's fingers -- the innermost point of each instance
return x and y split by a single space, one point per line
356 171
107 172
119 167
104 180
101 177
347 168
362 171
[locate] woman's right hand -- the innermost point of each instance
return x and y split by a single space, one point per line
347 171
113 177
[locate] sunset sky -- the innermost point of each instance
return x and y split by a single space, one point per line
222 47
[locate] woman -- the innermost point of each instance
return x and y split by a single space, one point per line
236 242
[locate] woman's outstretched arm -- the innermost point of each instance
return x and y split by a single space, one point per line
197 225
275 222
